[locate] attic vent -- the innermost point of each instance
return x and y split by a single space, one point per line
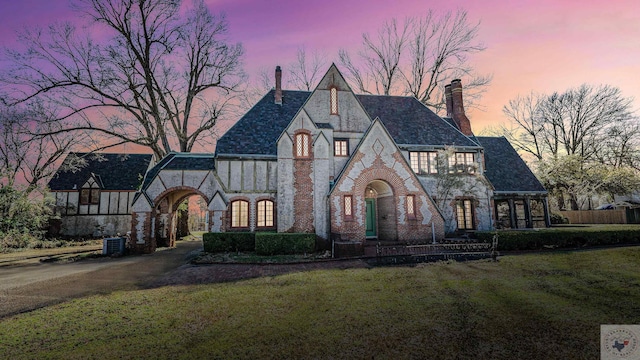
112 246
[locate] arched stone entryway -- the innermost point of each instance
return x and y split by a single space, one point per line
380 212
166 215
172 180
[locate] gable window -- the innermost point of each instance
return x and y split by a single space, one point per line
341 147
411 206
424 162
348 206
239 214
90 193
265 213
464 210
302 145
333 100
461 162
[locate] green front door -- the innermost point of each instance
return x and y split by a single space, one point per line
371 218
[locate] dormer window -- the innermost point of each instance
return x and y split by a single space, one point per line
333 100
302 144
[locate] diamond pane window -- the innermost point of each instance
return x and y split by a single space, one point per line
348 206
334 101
302 145
411 206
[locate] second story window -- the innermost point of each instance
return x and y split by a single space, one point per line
462 163
333 100
341 147
302 145
424 162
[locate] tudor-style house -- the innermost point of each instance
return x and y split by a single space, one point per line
94 196
349 168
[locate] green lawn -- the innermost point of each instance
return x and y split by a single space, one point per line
523 307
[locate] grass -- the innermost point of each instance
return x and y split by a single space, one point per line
523 307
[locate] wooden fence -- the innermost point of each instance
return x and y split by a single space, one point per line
596 216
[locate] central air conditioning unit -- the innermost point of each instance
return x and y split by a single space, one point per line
112 246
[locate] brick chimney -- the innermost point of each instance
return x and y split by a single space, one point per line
447 95
458 108
278 96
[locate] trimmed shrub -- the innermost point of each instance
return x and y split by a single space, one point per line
561 238
229 241
284 243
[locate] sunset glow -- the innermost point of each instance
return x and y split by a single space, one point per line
540 46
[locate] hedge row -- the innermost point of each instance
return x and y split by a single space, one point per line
535 240
262 243
284 243
231 241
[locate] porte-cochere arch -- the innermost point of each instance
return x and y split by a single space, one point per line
173 179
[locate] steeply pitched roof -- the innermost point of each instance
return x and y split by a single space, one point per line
114 171
408 122
505 169
258 130
411 123
180 161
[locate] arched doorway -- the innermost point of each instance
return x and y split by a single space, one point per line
380 212
171 215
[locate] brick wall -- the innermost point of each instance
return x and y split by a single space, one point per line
417 229
303 196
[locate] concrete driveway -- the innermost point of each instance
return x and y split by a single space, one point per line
30 285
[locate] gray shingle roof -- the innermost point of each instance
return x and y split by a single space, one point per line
258 130
180 161
114 171
505 169
411 123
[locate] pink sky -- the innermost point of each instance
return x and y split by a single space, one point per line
541 46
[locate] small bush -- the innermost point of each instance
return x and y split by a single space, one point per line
284 243
229 241
560 238
557 218
12 240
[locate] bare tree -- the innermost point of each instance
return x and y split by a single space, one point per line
380 58
306 73
579 121
585 140
162 79
621 145
28 160
526 133
417 56
439 50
